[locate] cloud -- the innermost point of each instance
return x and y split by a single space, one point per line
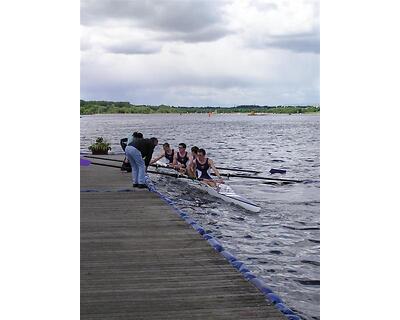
102 12
294 42
131 48
200 52
188 21
206 76
290 25
117 40
207 34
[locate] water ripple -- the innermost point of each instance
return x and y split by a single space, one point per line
281 243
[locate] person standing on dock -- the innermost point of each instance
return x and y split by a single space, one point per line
139 153
167 152
203 165
181 158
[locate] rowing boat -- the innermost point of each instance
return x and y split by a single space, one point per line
226 193
222 191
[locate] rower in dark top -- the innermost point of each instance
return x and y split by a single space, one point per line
181 158
167 152
203 165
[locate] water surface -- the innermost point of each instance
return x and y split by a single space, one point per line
280 244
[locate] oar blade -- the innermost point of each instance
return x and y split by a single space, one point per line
85 163
281 171
239 170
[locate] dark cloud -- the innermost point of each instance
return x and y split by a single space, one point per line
304 42
188 21
98 12
205 35
297 43
132 48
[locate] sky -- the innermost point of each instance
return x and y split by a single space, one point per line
201 53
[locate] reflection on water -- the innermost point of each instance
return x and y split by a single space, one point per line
280 244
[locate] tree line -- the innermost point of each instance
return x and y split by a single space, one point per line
97 107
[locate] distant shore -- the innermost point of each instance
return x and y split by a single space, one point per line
109 107
212 114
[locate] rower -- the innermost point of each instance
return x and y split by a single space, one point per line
203 165
167 152
191 170
181 158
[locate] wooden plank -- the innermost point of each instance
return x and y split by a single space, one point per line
140 260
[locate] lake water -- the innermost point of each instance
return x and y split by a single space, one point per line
281 243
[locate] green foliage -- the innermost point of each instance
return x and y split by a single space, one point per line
98 107
100 146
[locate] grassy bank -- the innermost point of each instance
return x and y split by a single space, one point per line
109 107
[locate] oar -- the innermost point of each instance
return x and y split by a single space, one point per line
244 176
253 177
109 159
281 171
242 170
177 175
229 175
153 165
85 162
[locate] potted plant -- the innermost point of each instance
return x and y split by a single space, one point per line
100 146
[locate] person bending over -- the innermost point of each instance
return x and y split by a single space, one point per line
139 153
126 166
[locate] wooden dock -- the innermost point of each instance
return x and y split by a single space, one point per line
140 260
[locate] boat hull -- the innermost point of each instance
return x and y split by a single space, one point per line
222 191
226 193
